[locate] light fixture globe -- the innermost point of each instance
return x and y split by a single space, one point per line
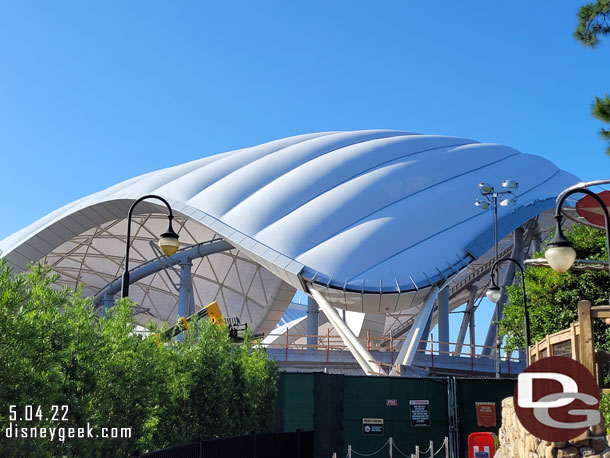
493 293
168 242
560 257
560 253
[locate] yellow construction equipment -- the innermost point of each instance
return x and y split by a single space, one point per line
211 310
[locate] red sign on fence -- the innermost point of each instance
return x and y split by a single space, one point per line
486 414
391 402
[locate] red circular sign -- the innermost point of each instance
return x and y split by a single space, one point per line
589 208
557 399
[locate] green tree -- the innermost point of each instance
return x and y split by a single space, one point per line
552 297
601 110
593 23
55 351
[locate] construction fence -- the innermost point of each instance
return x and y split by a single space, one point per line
359 413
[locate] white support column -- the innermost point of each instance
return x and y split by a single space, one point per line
186 288
364 358
423 340
443 321
312 322
409 346
465 320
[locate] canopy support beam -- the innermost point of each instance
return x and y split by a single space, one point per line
363 357
467 320
407 352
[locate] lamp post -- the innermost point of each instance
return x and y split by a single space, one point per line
168 242
491 195
560 253
489 192
493 293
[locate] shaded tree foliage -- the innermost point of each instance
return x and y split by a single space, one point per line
593 22
601 111
54 351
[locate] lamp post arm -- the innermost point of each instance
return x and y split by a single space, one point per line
580 190
170 216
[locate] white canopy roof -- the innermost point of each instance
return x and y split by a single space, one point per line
357 213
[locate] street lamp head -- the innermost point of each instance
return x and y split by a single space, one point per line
168 242
493 293
508 202
482 204
485 188
560 252
511 184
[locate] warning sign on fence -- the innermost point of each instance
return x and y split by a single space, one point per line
420 412
372 426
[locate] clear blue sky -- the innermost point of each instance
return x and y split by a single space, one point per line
92 93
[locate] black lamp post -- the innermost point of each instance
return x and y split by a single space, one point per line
509 199
168 242
493 294
560 253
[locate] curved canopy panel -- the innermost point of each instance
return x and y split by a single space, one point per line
371 218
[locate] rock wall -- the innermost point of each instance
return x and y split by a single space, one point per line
516 442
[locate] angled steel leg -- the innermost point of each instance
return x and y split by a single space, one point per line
364 358
407 352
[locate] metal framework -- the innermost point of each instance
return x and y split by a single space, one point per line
94 258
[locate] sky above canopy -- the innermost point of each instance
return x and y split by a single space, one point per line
93 93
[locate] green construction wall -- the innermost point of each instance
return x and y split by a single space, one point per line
295 403
365 397
471 391
334 405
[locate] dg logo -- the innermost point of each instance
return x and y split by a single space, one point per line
556 399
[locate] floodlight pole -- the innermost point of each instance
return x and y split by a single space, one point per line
495 204
170 217
487 191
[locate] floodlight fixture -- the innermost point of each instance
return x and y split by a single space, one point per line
511 184
482 204
485 188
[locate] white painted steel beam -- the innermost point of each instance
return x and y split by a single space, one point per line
443 320
466 319
363 357
409 346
